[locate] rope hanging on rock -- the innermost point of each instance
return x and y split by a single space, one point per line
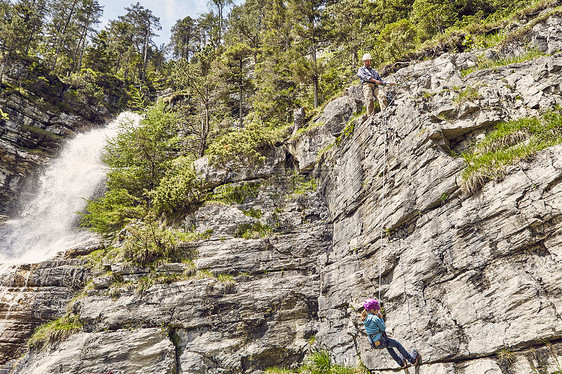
385 129
385 168
384 171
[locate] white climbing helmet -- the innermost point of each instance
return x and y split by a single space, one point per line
367 56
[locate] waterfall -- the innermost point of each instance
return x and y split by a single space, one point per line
47 222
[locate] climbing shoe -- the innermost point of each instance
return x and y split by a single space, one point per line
416 357
404 364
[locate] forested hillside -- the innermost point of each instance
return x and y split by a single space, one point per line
233 65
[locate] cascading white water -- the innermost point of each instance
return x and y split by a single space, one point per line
48 222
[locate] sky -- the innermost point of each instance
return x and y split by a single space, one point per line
169 11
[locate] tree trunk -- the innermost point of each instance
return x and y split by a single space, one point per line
79 51
315 73
145 57
59 38
5 62
240 92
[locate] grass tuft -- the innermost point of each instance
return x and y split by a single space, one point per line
486 63
55 331
511 142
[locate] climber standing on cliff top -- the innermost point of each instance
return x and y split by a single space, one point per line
376 330
371 80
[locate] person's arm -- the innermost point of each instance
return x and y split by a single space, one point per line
380 322
377 78
363 74
380 81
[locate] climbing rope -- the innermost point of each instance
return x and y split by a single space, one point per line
385 129
384 175
385 168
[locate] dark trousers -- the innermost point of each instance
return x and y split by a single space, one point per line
390 344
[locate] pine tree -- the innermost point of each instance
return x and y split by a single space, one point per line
246 25
143 23
276 94
87 18
195 79
234 77
221 8
184 39
309 33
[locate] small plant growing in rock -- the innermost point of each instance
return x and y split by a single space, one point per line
225 278
55 331
312 340
509 143
202 274
252 230
3 116
506 359
252 212
150 242
235 194
302 185
324 150
320 361
468 94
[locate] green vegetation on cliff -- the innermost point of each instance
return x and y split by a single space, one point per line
319 362
508 143
55 331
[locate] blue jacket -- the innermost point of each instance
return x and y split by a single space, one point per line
374 326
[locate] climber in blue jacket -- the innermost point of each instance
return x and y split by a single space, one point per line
375 328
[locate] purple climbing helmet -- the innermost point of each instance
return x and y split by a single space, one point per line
370 304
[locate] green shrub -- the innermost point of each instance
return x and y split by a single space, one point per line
320 361
252 230
179 191
243 148
256 213
468 94
235 194
150 242
301 184
3 116
55 331
139 156
396 39
112 212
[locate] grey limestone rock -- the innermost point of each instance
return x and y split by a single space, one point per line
142 351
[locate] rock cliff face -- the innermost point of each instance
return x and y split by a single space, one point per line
472 281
